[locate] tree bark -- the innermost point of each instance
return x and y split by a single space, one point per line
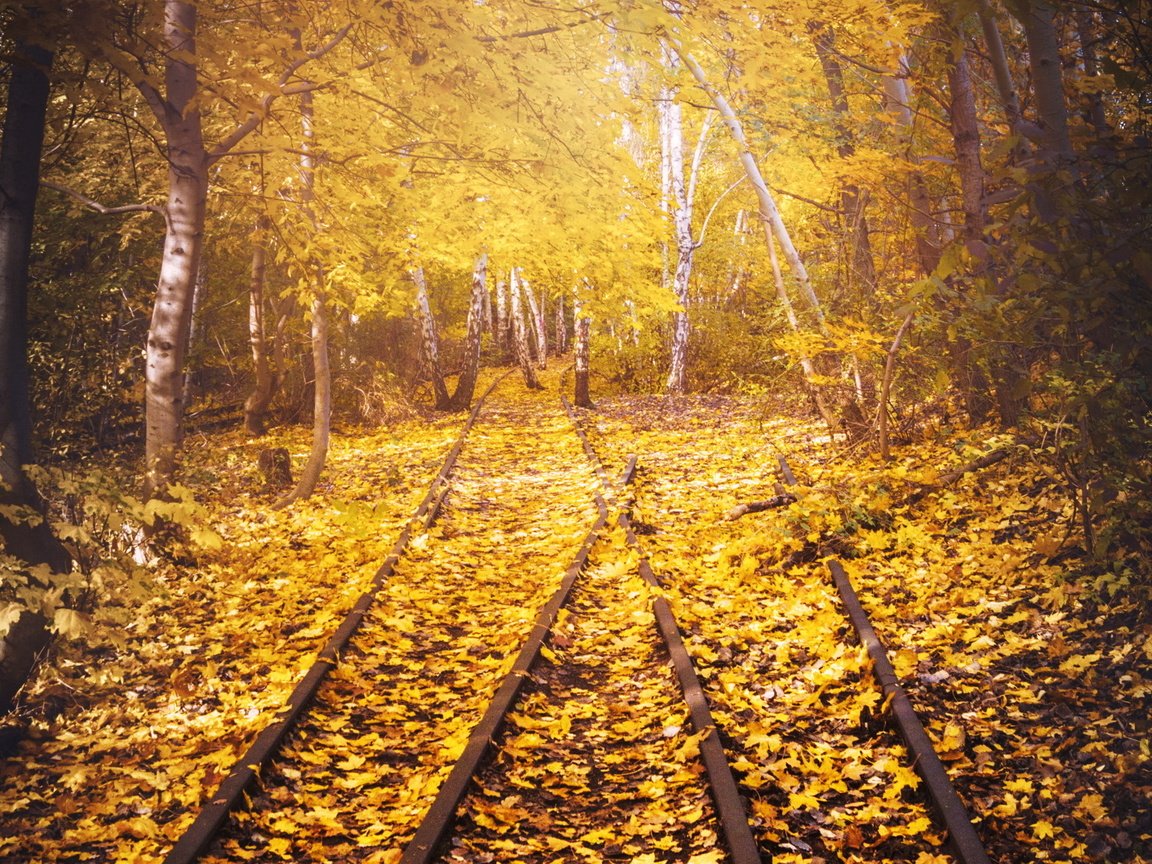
966 143
430 342
583 354
561 334
681 206
966 140
264 386
503 332
807 365
519 333
184 215
321 371
852 200
1038 20
466 383
539 330
768 209
1054 151
34 544
1009 100
1094 103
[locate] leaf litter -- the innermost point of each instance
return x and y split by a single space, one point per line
1029 665
432 650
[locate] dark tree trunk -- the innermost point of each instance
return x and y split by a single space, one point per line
19 178
1055 153
966 142
466 383
852 199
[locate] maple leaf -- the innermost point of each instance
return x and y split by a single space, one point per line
1043 828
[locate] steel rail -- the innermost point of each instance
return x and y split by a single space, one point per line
730 807
441 815
966 843
196 839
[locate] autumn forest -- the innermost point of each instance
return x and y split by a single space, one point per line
692 431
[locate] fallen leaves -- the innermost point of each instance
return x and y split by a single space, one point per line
1031 676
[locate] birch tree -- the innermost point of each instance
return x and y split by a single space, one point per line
174 95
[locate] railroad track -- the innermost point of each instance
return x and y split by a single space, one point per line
413 739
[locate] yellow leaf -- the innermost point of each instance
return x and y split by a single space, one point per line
1043 829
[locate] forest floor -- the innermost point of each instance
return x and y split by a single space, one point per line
1030 665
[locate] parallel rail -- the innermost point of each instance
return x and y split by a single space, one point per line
735 826
199 836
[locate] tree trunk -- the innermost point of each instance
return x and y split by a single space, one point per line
195 334
561 323
966 139
1038 19
466 383
430 342
861 268
33 544
263 388
519 333
1009 100
807 365
583 353
1055 144
539 330
966 143
184 217
322 373
1093 101
768 209
503 332
681 206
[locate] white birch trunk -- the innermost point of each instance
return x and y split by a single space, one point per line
503 328
539 330
681 206
768 209
167 345
429 341
583 352
466 383
519 332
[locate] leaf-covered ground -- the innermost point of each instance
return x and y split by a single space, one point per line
1032 673
396 713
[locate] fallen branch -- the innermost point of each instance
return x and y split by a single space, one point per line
990 458
781 499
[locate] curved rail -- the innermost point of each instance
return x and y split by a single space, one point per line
200 834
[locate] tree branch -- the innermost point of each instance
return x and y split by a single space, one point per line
282 88
100 208
715 204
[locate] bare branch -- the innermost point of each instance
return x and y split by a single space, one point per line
543 31
715 204
100 208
